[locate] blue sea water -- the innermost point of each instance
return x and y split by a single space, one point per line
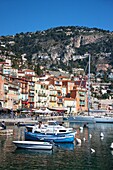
63 156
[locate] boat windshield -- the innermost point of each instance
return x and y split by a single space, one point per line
53 123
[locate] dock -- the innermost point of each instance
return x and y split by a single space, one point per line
14 121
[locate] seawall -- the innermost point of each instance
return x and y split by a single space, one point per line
13 121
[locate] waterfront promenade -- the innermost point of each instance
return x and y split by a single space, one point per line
32 120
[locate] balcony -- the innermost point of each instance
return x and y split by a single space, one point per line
82 98
60 101
31 91
24 92
13 87
31 94
81 93
6 91
82 103
42 94
53 100
52 94
31 88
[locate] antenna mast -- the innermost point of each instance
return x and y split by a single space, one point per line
89 86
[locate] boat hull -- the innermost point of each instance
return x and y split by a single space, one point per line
104 119
82 119
60 134
91 119
49 138
33 145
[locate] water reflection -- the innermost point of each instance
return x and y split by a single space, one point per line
65 146
63 156
32 151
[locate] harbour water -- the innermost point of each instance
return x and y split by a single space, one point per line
63 157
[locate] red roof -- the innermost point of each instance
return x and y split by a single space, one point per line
3 63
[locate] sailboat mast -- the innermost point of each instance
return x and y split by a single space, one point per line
89 86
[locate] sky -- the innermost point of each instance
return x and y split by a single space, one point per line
18 16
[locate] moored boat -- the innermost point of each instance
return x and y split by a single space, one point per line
92 119
81 119
52 128
49 138
95 118
33 145
103 119
102 116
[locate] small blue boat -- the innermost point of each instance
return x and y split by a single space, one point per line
49 138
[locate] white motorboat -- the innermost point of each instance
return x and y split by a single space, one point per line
33 145
51 128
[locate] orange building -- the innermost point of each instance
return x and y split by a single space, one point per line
80 95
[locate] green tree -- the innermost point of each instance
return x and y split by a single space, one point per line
37 70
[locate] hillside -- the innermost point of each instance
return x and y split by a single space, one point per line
60 47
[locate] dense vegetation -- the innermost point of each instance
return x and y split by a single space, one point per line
54 48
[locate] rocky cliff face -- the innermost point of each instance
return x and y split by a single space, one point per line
86 39
56 47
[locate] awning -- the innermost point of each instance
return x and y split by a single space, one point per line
43 111
26 111
58 109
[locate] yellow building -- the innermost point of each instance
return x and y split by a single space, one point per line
52 96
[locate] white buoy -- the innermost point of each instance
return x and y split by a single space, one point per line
111 146
78 144
81 128
101 134
92 150
102 137
112 152
90 136
78 141
84 139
